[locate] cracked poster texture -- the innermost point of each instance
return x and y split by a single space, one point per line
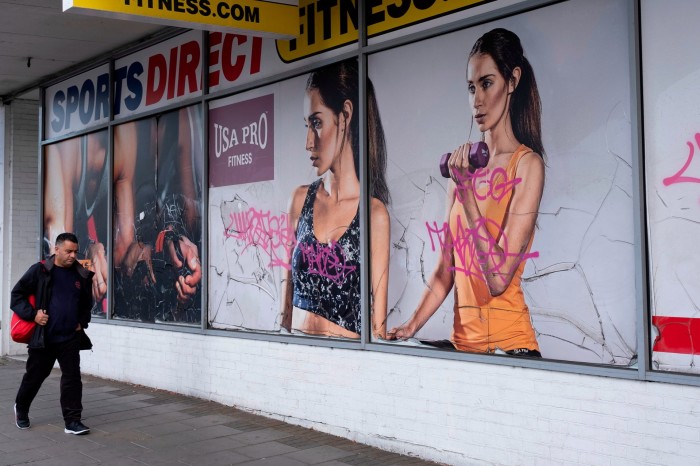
246 269
249 233
672 142
583 308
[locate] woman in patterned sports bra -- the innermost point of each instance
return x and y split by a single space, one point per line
491 212
321 292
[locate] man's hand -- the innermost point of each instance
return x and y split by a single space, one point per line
41 317
138 252
186 286
96 253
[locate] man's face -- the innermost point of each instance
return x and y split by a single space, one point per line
66 253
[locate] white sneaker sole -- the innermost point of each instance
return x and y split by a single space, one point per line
77 432
16 423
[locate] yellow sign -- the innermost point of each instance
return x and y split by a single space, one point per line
262 18
328 25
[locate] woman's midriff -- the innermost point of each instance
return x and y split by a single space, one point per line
313 324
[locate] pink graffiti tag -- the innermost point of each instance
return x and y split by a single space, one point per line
497 180
462 243
678 177
327 260
269 232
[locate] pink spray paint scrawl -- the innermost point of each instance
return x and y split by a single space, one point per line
241 142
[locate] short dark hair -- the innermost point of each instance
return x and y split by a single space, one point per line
66 237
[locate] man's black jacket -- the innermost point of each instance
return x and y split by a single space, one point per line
37 281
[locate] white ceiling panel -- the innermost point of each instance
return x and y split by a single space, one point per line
38 33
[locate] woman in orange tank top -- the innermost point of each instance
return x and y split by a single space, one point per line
491 211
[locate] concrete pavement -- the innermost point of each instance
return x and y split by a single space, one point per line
134 425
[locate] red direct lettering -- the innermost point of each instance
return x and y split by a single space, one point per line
189 60
214 41
232 71
155 88
172 73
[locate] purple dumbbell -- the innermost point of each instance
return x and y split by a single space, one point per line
478 158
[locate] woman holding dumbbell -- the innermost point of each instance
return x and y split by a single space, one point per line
492 209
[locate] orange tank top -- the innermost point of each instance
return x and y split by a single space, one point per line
484 323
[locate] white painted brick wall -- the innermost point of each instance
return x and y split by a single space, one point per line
453 412
24 188
21 207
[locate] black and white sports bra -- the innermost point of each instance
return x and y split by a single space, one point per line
326 276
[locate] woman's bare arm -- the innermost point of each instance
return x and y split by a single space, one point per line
501 256
287 290
439 285
125 148
380 238
62 162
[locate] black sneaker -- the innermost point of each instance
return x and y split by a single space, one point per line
76 428
21 420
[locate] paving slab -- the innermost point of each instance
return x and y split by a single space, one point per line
135 425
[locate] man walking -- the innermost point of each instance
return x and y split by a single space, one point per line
62 288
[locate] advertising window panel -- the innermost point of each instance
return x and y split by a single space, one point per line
76 186
284 226
671 73
157 228
522 242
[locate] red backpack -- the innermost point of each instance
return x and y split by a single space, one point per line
22 330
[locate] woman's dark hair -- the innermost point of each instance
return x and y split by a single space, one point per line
504 47
337 83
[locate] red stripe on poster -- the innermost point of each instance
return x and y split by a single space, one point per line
92 229
677 334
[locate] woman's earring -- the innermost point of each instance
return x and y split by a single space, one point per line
471 127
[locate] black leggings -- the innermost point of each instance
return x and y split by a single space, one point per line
447 344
